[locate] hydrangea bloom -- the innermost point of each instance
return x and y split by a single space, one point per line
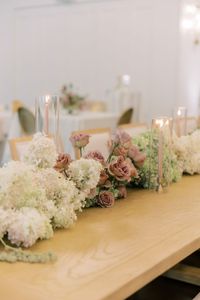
27 226
19 186
41 152
187 149
85 173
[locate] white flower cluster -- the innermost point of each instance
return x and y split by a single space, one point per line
187 149
85 173
41 152
36 199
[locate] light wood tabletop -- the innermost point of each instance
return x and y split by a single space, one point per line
111 253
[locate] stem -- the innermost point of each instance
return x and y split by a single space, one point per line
9 247
64 171
81 151
111 154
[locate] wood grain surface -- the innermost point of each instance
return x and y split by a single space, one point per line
111 253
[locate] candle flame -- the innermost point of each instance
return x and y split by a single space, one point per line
179 112
160 122
47 98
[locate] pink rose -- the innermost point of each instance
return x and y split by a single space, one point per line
122 138
105 199
96 155
107 184
134 172
120 150
103 177
133 152
79 140
137 156
92 194
122 192
140 159
62 162
120 168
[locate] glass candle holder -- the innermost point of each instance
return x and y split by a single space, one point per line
47 117
159 167
180 121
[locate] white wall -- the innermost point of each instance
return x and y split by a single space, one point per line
7 52
189 68
90 44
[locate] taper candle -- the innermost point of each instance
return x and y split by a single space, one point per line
46 115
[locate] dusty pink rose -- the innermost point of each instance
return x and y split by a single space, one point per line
96 155
106 199
62 162
137 156
120 168
122 192
140 159
134 172
122 138
120 150
133 151
79 140
107 184
92 194
103 177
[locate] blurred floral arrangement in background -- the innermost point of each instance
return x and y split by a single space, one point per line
70 100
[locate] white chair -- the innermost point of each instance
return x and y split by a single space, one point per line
98 141
18 146
134 129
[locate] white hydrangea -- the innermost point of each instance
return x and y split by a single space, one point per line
5 220
85 173
64 194
19 186
27 226
64 217
187 149
41 152
35 198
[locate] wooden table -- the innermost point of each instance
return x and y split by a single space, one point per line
111 253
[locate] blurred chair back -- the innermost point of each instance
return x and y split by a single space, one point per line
16 104
26 120
97 106
18 146
134 129
2 148
126 117
99 138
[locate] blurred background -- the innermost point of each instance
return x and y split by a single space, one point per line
90 43
101 57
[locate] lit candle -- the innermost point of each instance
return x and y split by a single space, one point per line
159 123
46 115
181 120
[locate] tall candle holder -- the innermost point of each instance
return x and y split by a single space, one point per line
161 138
180 121
47 117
